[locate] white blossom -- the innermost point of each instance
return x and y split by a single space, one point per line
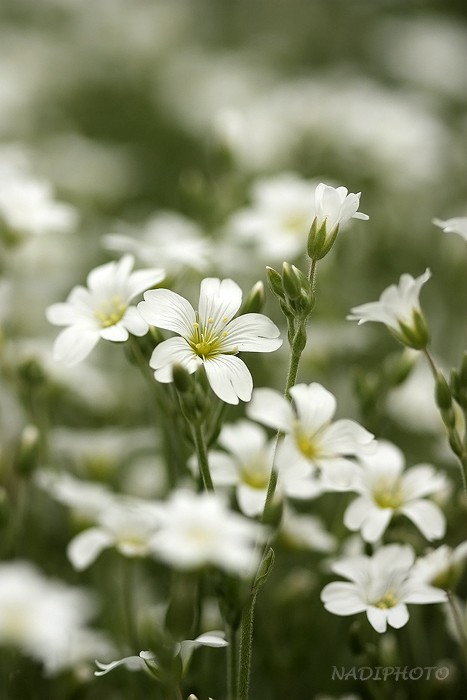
101 310
381 586
312 437
399 309
211 336
385 490
443 566
197 530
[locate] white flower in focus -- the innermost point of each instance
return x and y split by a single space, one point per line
128 525
102 310
399 309
148 661
381 586
211 336
197 530
174 240
442 567
386 490
44 618
455 225
248 468
312 437
27 205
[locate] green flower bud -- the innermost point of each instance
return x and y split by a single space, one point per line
182 379
442 392
320 240
275 282
254 301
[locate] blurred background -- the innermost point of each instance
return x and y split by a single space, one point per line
153 121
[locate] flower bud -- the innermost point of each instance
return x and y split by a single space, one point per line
254 301
442 392
181 378
275 282
320 239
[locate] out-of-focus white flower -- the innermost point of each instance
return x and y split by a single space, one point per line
442 567
197 530
173 239
455 225
211 337
278 221
305 531
148 661
381 586
86 498
27 205
102 310
407 404
399 309
386 489
127 524
46 619
248 468
311 435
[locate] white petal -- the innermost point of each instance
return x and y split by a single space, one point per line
314 404
427 517
86 547
218 300
141 280
345 437
377 618
270 408
342 598
117 333
230 378
224 470
67 315
250 500
422 480
166 309
253 333
356 513
243 439
170 352
131 663
73 344
134 322
398 616
376 523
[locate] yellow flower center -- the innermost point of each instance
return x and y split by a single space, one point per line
207 341
388 600
111 311
296 223
255 474
307 444
388 493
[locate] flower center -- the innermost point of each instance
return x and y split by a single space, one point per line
111 311
255 474
307 444
388 493
388 600
206 340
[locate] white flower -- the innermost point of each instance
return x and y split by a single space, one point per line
148 661
307 531
312 437
44 618
86 498
197 530
455 225
174 240
442 567
385 490
27 205
211 336
381 586
248 468
128 524
102 310
399 309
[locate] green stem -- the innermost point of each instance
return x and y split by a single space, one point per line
246 645
232 664
459 625
455 439
202 454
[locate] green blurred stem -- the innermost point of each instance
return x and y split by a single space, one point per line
202 454
456 443
246 645
459 624
232 664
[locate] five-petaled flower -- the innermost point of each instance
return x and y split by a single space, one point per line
399 309
385 489
210 336
381 586
312 437
102 310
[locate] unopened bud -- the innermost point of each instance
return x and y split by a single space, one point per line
254 301
442 392
275 282
181 378
320 240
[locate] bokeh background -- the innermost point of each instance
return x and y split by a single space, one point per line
130 108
